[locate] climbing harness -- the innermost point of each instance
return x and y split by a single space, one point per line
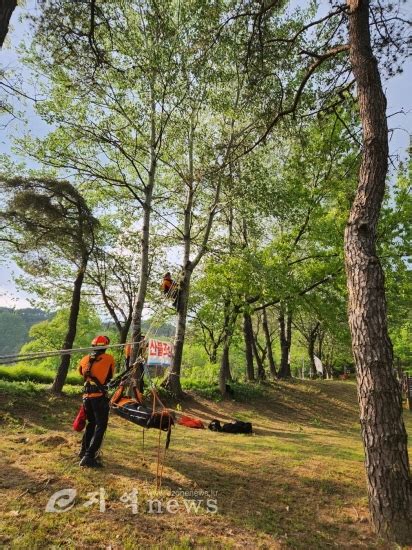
91 383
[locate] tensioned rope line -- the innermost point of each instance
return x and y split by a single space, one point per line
156 317
7 359
18 357
63 351
155 320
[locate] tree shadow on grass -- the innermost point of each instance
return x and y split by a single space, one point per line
283 502
12 477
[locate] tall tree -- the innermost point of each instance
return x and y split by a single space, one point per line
207 126
285 339
269 340
117 103
45 215
383 430
248 338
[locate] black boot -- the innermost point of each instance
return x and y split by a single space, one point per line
90 462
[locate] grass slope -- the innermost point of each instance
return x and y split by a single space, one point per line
297 483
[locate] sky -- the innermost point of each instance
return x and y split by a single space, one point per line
398 92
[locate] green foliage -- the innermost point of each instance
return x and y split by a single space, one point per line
30 388
48 336
39 374
14 327
395 250
13 332
184 92
43 214
242 391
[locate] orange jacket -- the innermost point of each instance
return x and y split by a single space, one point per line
102 368
128 351
168 286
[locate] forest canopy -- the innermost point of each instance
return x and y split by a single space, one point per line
221 168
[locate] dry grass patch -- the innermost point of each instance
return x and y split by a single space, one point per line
297 483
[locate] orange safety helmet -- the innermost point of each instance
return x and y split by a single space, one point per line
100 341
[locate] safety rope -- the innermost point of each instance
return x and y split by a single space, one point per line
143 449
158 453
157 319
165 299
151 332
15 358
19 357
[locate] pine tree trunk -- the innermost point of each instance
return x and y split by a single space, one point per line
248 337
272 364
63 369
383 430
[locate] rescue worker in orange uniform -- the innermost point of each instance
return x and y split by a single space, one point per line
97 369
127 355
170 288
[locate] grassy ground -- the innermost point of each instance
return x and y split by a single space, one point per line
298 482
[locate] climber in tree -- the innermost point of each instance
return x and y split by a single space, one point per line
170 288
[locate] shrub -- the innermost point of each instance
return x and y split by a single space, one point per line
29 388
41 375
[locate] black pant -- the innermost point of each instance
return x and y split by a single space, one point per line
97 411
140 378
176 301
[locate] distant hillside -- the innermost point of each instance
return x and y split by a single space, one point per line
15 325
166 330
